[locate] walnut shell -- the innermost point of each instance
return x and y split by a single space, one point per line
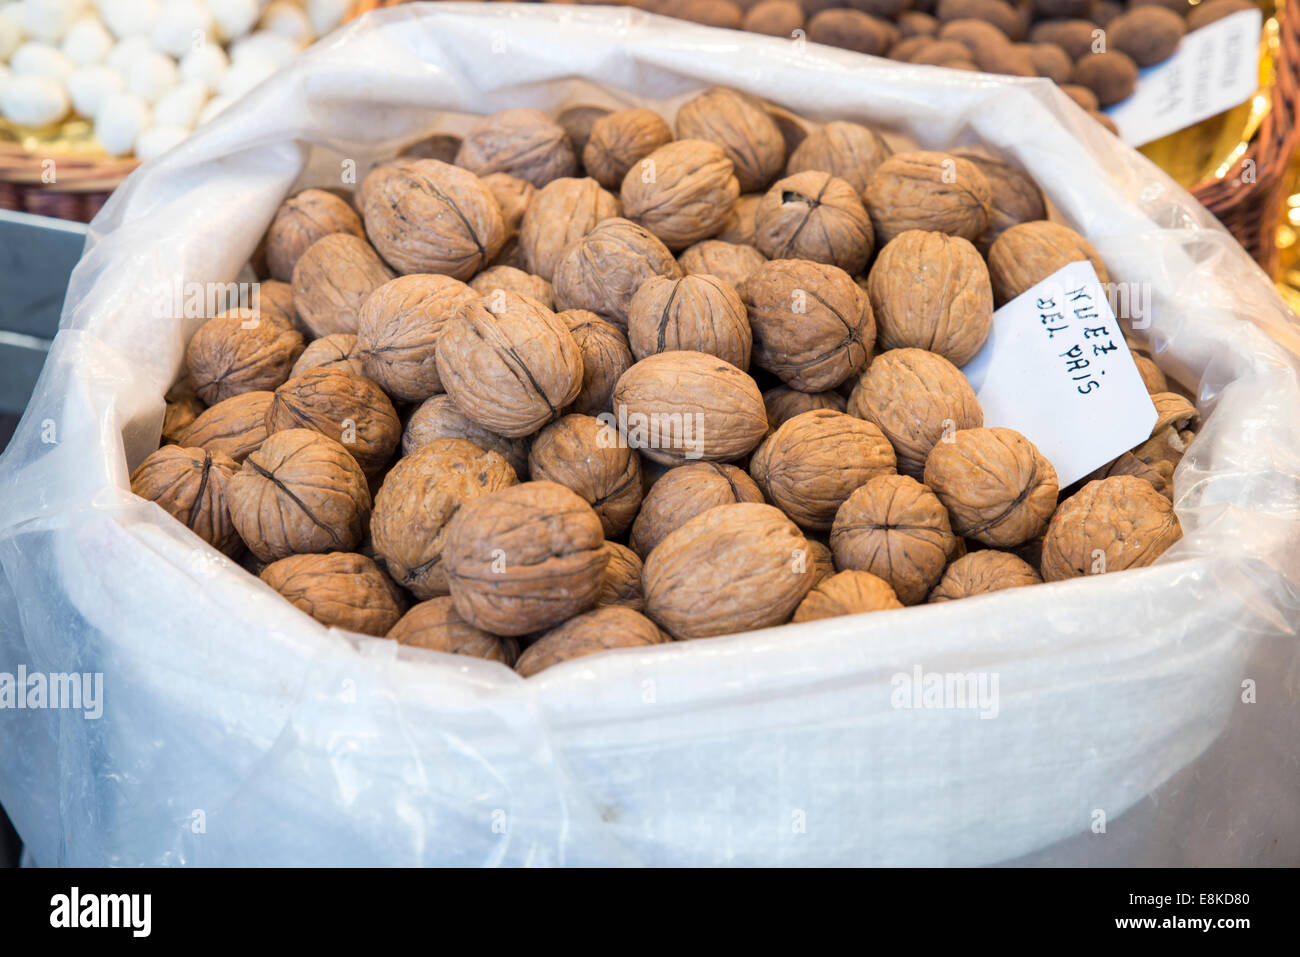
783 404
337 351
178 415
587 456
493 282
730 262
275 302
982 572
603 271
331 281
811 464
605 356
340 590
1111 75
563 212
524 558
1159 472
439 146
1109 525
348 408
739 124
937 192
915 398
694 313
232 428
621 584
513 370
679 406
190 486
823 562
430 217
1016 197
1152 377
435 626
850 592
231 354
1172 410
419 496
682 192
398 330
739 228
1025 255
620 140
299 492
848 151
813 325
730 569
578 122
300 221
998 488
595 631
513 195
814 215
522 142
437 417
684 492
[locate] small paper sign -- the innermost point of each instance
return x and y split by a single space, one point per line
1214 69
1057 370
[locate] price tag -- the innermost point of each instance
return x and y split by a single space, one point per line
1057 370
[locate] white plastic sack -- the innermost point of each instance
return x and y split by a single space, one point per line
236 730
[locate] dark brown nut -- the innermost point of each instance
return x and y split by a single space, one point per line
1081 95
1001 15
524 558
982 572
937 192
398 330
235 353
300 221
848 151
1147 34
850 30
914 23
513 370
1206 13
622 582
746 132
775 18
438 418
711 13
578 122
1025 255
740 223
988 46
684 492
439 146
847 593
233 428
905 49
816 216
332 280
510 255
1077 38
587 456
435 626
945 53
998 488
299 492
896 528
823 562
1173 411
603 629
1016 197
605 356
695 314
603 271
1152 377
619 141
275 300
783 404
794 128
337 351
419 496
1158 473
190 486
1181 7
493 283
180 413
915 398
563 212
513 195
679 406
885 9
522 142
812 324
1051 61
340 590
812 463
1112 524
348 408
1104 12
1061 9
682 192
430 217
1111 75
730 262
1166 445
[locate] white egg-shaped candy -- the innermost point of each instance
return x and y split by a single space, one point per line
152 76
234 17
127 52
287 19
14 14
90 86
40 59
10 38
87 41
205 64
262 45
49 19
128 18
215 106
181 106
325 15
182 24
121 118
244 75
158 140
31 100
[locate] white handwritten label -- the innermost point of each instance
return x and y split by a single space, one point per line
1057 370
1214 69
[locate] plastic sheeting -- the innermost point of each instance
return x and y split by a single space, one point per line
1142 718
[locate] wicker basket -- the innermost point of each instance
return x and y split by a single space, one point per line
81 186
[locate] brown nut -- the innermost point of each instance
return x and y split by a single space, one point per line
602 629
232 428
563 212
179 414
1025 255
783 404
823 562
998 488
945 53
337 351
435 626
937 192
340 590
774 18
817 216
1212 10
235 353
522 142
1061 9
398 330
915 23
1077 37
812 463
275 302
730 569
619 141
331 281
1173 411
348 408
850 30
684 492
605 356
1111 75
739 228
494 282
578 122
988 46
524 558
1158 473
621 584
1081 95
603 271
586 455
300 221
1051 61
849 592
682 192
1016 197
739 124
1001 15
1147 34
513 195
439 146
1152 377
982 572
848 151
190 486
694 313
1109 525
438 418
730 262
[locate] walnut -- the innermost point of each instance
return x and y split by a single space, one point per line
1111 75
438 418
678 406
682 493
739 228
578 122
235 353
915 398
730 262
190 486
848 151
275 302
435 626
348 408
299 492
850 592
300 222
522 142
1112 524
513 195
595 631
603 271
730 569
739 124
1051 61
850 30
682 192
794 128
1000 14
1152 377
1147 34
493 282
524 558
1016 197
182 408
1167 445
897 529
982 572
439 146
775 18
814 215
332 280
430 217
1025 255
621 584
938 192
931 291
563 212
398 330
340 590
337 351
511 370
694 313
813 325
232 428
605 356
1173 411
783 404
823 562
813 462
998 488
620 140
586 455
1158 472
418 498
1077 37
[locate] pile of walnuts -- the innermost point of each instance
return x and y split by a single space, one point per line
562 385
